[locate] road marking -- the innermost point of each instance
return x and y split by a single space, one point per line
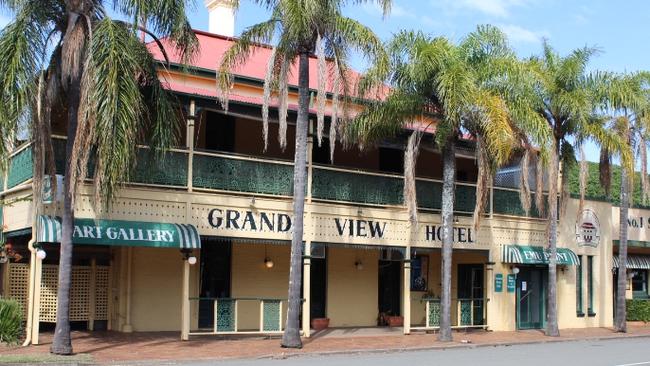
635 364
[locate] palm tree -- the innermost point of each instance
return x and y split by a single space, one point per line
570 100
460 88
632 125
71 56
302 28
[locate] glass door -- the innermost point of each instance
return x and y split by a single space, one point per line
531 298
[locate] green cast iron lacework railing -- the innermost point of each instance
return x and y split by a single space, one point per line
150 168
20 167
271 315
433 313
506 202
232 174
357 187
429 195
170 170
465 312
225 315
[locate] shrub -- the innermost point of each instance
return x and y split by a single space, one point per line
11 321
638 310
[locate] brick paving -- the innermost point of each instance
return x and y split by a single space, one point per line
113 347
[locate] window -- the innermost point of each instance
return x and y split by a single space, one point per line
580 311
640 285
590 285
419 273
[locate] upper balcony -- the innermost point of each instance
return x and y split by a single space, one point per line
232 173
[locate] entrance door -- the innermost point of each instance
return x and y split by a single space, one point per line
215 278
389 287
470 293
531 298
318 269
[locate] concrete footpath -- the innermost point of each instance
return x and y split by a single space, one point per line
120 348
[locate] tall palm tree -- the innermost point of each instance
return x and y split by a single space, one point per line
631 122
71 56
460 88
570 100
300 28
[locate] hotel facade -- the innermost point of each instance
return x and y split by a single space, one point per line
200 243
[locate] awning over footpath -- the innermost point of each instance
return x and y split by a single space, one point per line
524 254
633 261
121 233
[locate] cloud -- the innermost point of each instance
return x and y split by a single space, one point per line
495 8
517 34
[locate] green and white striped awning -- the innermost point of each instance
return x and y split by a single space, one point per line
633 261
121 233
528 254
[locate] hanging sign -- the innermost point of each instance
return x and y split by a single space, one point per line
498 282
511 283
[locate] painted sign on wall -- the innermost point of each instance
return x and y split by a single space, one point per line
587 229
511 283
498 282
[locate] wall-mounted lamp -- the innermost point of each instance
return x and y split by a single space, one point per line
267 261
515 270
40 253
252 201
359 265
631 274
188 256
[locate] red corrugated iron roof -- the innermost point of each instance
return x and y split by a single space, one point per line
213 46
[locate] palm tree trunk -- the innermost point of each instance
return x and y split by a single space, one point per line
620 323
62 342
448 193
291 336
552 329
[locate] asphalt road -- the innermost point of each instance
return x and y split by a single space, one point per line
620 352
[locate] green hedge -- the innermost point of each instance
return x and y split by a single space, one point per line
11 321
638 310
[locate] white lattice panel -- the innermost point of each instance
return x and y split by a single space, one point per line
19 283
49 286
101 293
79 293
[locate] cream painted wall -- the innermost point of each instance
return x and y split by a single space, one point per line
352 294
156 289
251 279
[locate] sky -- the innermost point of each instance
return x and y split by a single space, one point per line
620 29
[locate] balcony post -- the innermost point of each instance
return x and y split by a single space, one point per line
492 200
310 162
189 143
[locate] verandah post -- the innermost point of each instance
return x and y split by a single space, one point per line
306 290
185 302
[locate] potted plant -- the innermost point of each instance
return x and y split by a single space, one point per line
320 323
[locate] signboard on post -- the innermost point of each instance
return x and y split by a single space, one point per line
498 282
511 283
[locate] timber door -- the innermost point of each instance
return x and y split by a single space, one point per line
389 287
470 294
531 298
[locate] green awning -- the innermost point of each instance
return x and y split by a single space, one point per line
121 233
526 254
634 261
